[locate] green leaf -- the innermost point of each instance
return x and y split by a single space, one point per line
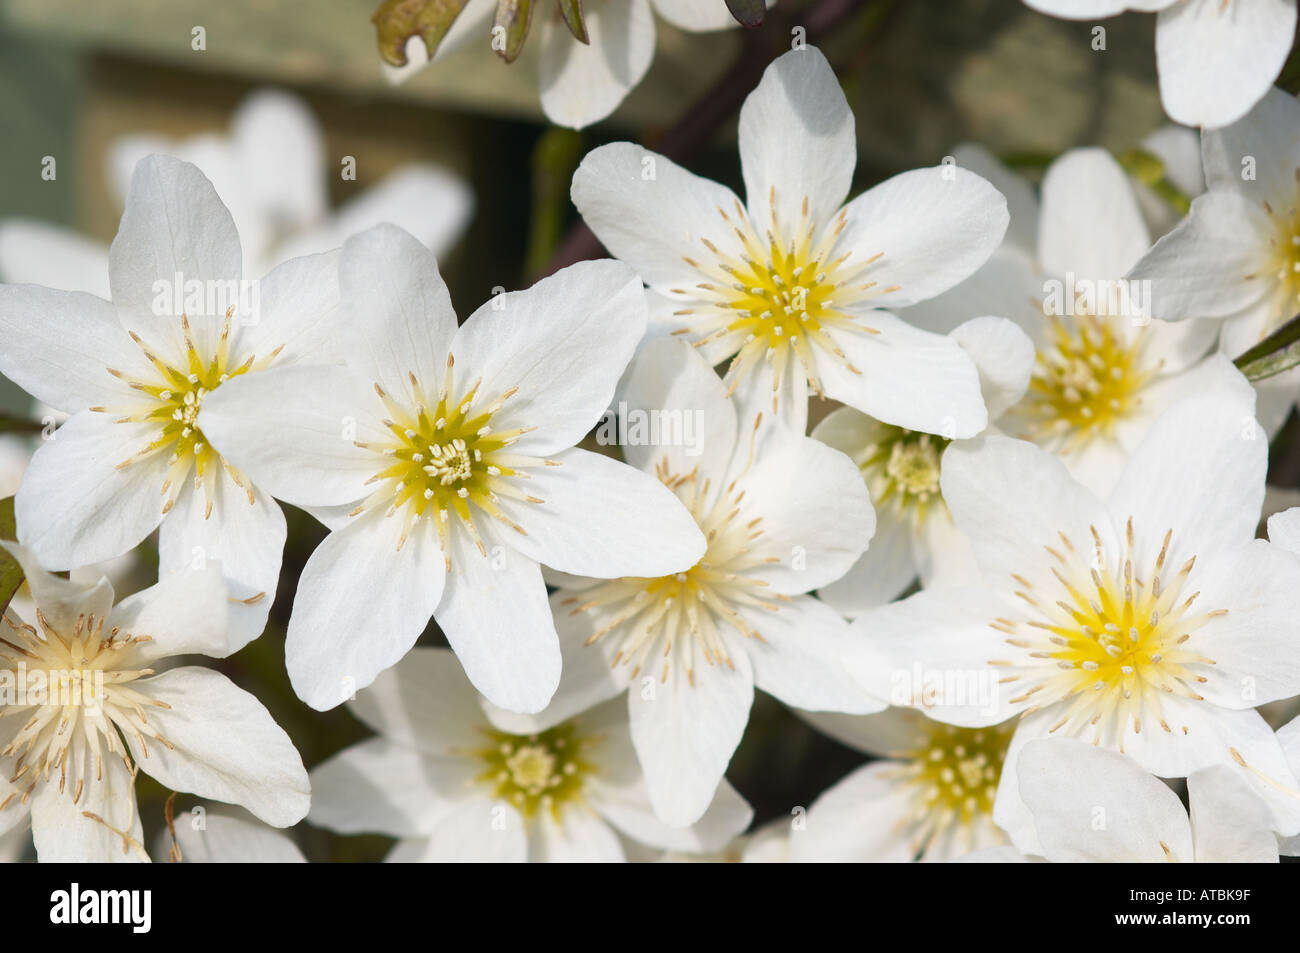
1278 352
571 10
512 20
748 13
398 20
11 574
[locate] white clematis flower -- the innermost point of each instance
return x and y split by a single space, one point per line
1093 805
134 373
1236 257
453 785
69 754
790 286
1104 369
271 171
448 455
1216 58
1152 623
915 536
930 798
783 514
582 83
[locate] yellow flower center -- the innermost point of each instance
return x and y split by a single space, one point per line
1105 641
956 772
1085 379
544 771
902 469
444 459
172 399
776 298
676 618
77 700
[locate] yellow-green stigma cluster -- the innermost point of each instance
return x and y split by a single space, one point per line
1086 379
777 295
445 460
540 772
902 470
172 399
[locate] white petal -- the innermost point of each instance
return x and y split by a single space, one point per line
75 507
797 143
426 703
882 573
905 377
174 224
232 837
1008 530
478 830
1216 61
1284 530
293 432
60 344
183 613
1175 479
931 651
61 600
280 151
401 318
1091 226
696 17
1230 824
246 538
1022 202
685 734
935 227
224 745
65 835
800 659
360 605
581 836
816 515
618 793
1094 805
649 212
669 384
1270 133
1003 356
1199 269
1256 645
297 313
599 517
377 787
563 343
857 819
584 83
495 615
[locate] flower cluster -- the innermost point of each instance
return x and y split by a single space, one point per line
960 469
